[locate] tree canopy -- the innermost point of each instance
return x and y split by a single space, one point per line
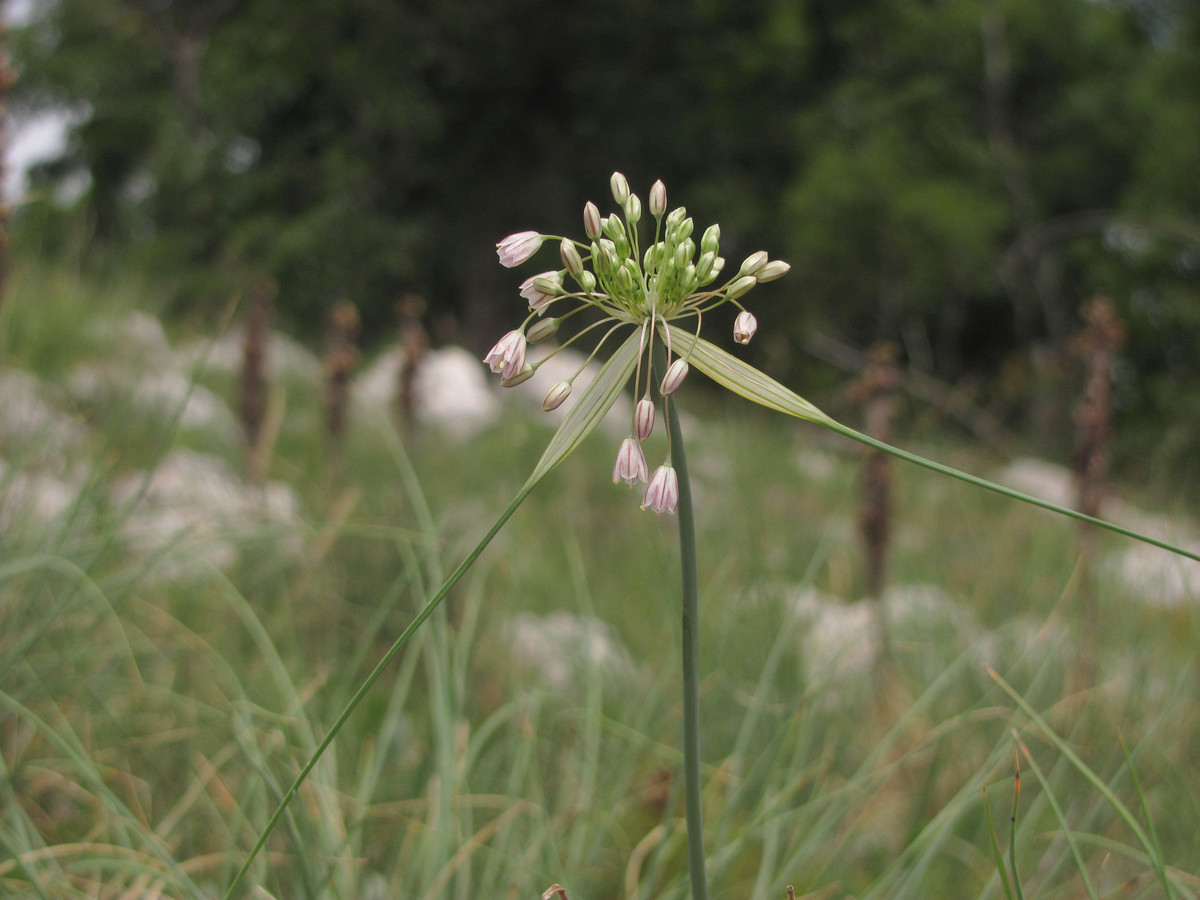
960 177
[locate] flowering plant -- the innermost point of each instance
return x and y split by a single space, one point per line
649 292
670 281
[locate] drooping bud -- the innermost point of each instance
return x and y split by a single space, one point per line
570 257
620 188
631 463
676 372
744 327
556 396
776 268
591 220
739 287
549 283
662 493
516 248
519 377
753 263
541 330
508 356
537 299
643 418
658 199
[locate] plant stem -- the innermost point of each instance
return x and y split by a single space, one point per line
691 661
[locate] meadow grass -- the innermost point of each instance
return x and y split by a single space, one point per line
169 661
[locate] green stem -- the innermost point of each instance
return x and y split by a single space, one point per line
691 661
396 647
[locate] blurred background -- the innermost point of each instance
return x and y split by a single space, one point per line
958 178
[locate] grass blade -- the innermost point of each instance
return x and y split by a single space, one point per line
997 855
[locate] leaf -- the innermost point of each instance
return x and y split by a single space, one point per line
741 378
596 400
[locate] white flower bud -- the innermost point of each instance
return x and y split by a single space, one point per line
556 396
744 327
658 199
753 263
620 188
776 268
516 248
676 372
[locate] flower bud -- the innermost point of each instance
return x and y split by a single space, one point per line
612 226
681 231
624 280
591 220
549 283
676 372
676 216
643 418
516 248
518 377
508 356
537 299
704 266
570 258
776 268
631 463
739 287
753 263
662 493
620 188
633 209
684 252
712 238
744 327
556 396
541 330
586 280
658 199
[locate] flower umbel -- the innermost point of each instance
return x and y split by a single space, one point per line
648 275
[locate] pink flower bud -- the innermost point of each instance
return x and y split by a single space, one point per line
658 199
744 327
508 356
591 221
516 248
676 372
631 463
643 418
556 396
662 493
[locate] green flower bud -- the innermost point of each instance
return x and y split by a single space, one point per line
550 283
519 377
711 239
541 330
570 258
684 253
613 226
676 216
704 267
633 209
586 280
624 280
682 231
739 287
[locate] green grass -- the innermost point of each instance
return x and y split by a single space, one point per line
158 697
